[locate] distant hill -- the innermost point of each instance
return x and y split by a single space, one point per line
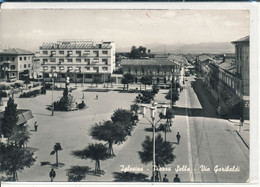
212 47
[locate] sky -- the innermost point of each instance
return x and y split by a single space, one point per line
28 29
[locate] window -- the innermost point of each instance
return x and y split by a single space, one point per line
129 70
13 58
12 67
95 60
142 70
87 61
88 76
29 58
61 60
96 54
95 69
20 58
135 71
69 60
78 53
53 67
158 70
61 67
7 58
87 68
53 60
53 53
78 60
104 68
29 65
105 61
44 60
24 58
45 52
104 52
61 52
1 58
45 67
24 66
70 68
86 53
69 53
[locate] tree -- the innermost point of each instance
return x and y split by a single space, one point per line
97 81
175 95
95 152
130 177
10 118
66 103
77 173
56 149
137 53
125 118
163 153
128 78
134 108
112 133
15 159
146 80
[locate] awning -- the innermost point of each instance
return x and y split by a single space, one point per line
233 101
23 116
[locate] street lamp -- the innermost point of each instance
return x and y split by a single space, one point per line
52 75
153 110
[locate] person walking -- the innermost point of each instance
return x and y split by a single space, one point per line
96 97
241 123
35 126
52 174
176 179
178 136
165 178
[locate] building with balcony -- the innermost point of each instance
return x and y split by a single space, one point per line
79 60
161 70
229 80
15 63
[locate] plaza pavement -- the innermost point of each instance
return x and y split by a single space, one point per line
71 129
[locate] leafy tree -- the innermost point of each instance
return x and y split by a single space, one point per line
13 159
128 78
10 118
126 118
130 177
56 149
137 53
146 80
95 152
175 95
77 173
66 103
163 153
113 133
145 97
134 108
20 135
97 81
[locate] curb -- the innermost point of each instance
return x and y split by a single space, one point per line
242 139
236 122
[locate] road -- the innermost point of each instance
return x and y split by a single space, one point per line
214 144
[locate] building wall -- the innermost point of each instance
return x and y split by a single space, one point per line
17 64
161 73
87 61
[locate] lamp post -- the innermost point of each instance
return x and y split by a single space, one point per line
153 110
83 85
52 75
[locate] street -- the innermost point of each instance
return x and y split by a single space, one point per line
206 141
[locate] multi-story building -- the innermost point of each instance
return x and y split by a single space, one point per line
15 63
79 58
161 70
229 80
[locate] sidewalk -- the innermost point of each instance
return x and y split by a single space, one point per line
243 132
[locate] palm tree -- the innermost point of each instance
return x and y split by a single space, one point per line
95 152
77 173
163 153
56 148
130 177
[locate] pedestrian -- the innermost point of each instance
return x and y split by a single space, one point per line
176 179
241 123
165 178
52 174
178 136
96 97
35 126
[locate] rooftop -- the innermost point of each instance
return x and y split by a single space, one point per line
76 45
242 40
148 62
23 116
228 65
15 51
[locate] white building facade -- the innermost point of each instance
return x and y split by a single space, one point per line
78 60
